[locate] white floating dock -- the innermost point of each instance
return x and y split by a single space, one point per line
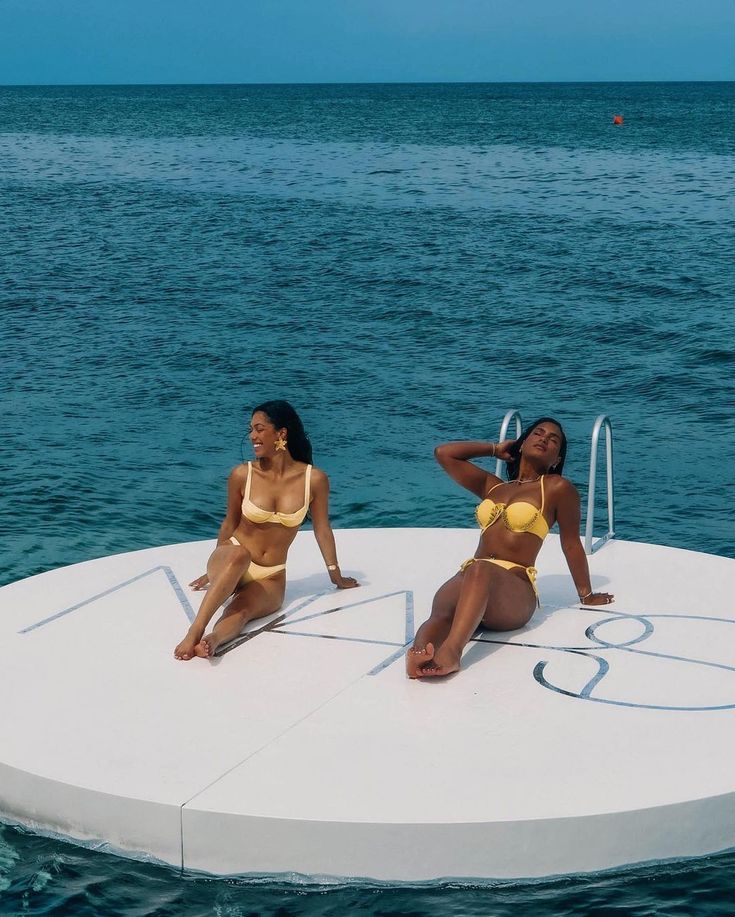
590 739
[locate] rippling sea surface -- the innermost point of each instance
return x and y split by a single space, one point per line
404 263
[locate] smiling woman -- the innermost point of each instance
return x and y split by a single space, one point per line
249 562
497 587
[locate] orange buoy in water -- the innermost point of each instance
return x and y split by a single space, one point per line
617 119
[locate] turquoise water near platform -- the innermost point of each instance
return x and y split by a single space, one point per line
404 263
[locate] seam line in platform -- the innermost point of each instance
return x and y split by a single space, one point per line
280 735
181 836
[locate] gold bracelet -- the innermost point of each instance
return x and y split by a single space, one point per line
493 445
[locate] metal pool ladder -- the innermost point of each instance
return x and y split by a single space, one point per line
602 420
513 414
589 546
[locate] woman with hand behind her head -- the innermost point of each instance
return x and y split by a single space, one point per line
497 587
267 500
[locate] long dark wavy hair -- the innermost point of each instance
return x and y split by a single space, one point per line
282 414
513 466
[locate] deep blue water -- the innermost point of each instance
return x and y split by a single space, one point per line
404 263
39 877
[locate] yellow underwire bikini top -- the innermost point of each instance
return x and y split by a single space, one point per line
517 517
260 516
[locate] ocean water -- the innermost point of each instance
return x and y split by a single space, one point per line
404 263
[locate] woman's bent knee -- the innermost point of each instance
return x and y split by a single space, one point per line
478 572
239 556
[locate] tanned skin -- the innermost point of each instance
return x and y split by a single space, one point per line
487 594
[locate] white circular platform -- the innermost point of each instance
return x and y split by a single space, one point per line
591 739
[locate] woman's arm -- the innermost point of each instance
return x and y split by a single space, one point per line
455 460
319 509
568 516
233 514
232 518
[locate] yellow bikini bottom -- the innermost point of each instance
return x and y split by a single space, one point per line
531 572
255 572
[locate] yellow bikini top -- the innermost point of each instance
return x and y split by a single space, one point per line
260 516
517 517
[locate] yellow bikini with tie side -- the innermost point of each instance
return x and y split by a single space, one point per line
519 517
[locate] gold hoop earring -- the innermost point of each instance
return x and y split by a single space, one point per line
280 444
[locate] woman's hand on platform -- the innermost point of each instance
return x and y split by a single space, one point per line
201 582
597 598
342 582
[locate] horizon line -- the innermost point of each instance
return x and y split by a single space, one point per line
585 82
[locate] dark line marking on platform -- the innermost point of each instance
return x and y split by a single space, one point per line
626 646
170 575
277 626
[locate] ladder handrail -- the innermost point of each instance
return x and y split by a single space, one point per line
602 421
514 413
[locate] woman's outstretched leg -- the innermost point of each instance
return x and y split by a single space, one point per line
225 566
499 598
434 630
254 600
469 611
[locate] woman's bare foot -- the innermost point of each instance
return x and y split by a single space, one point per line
185 649
444 662
207 646
416 659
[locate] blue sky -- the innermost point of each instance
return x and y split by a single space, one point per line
234 41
